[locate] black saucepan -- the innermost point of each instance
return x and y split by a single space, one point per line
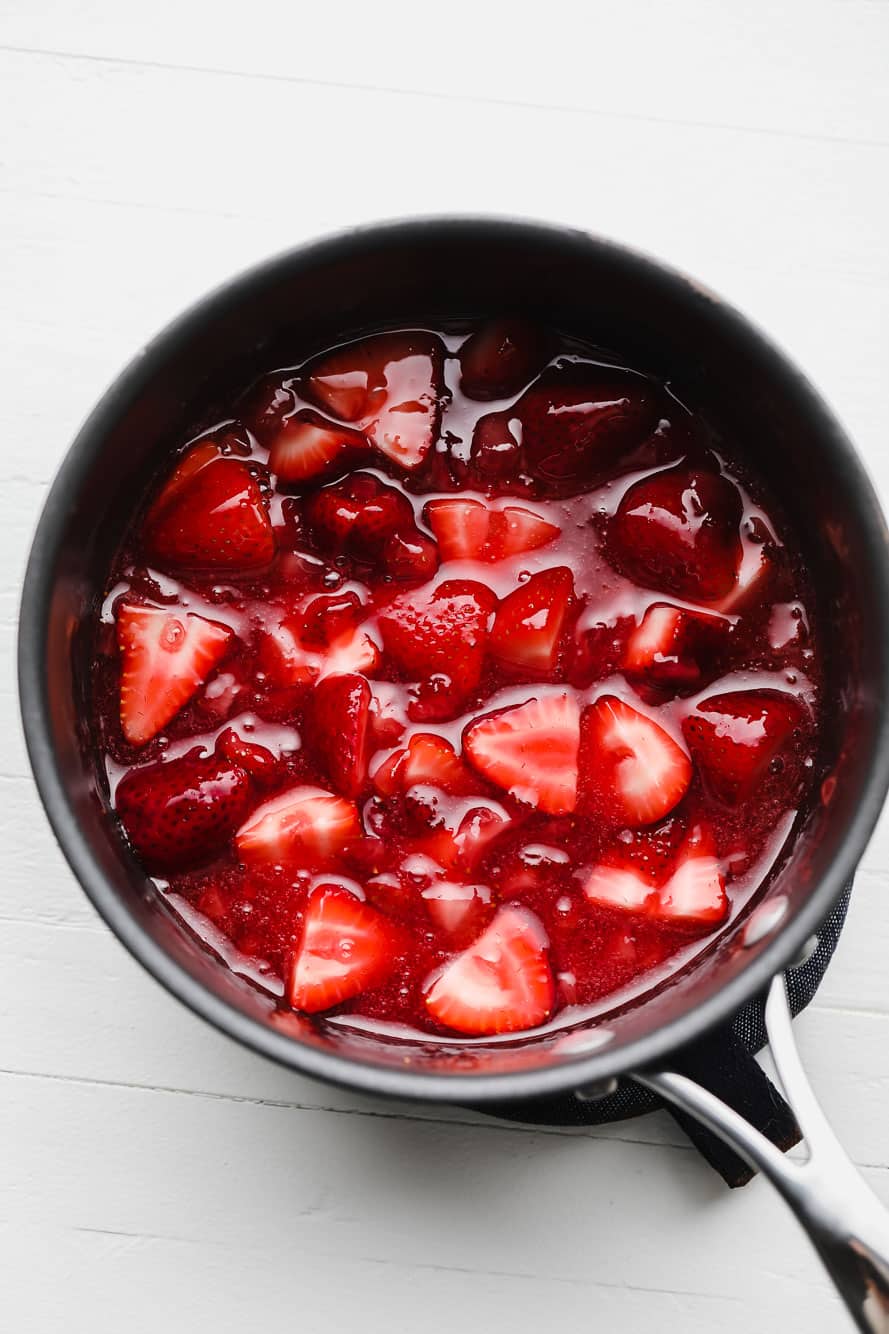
431 272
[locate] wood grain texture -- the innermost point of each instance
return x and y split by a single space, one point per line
153 1175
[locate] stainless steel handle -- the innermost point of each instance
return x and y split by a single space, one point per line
844 1220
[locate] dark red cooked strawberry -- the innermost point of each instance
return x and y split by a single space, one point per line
289 661
309 445
694 895
409 556
496 452
678 532
456 909
257 760
672 648
346 947
358 515
166 656
389 385
328 616
575 430
183 811
304 823
428 760
336 728
530 751
441 636
527 630
501 984
735 737
471 530
500 358
210 515
631 771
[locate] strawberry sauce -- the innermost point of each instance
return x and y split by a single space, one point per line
458 681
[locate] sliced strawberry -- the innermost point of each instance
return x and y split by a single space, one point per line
496 450
501 984
678 531
528 627
439 636
303 822
621 888
477 831
351 652
308 445
530 751
470 530
428 760
632 771
210 515
755 573
694 895
500 358
358 515
734 738
288 661
183 811
575 430
390 385
166 656
346 947
456 908
336 726
671 647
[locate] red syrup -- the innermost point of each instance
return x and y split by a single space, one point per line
458 682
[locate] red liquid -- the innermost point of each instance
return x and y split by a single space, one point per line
760 638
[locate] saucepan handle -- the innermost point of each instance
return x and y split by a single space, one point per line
844 1220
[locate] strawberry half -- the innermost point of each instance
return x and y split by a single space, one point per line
502 983
471 530
336 726
303 822
527 630
669 647
308 445
183 811
574 430
530 751
210 515
345 948
440 636
734 738
429 761
679 531
632 772
166 656
500 358
390 386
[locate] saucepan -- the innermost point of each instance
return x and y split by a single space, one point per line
430 272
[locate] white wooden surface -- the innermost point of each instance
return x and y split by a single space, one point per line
153 1175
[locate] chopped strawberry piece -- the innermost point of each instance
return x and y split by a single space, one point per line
500 358
358 515
428 760
456 908
735 737
631 771
336 726
258 761
470 530
574 430
483 595
478 830
183 811
390 386
442 635
351 652
346 948
496 450
211 514
755 573
304 822
166 656
530 751
293 652
410 557
308 445
328 617
695 893
618 887
500 984
528 627
670 646
678 531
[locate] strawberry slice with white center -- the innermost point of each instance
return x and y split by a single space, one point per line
530 751
528 627
618 887
501 984
471 530
632 771
308 445
346 948
166 656
306 823
455 908
695 893
670 644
